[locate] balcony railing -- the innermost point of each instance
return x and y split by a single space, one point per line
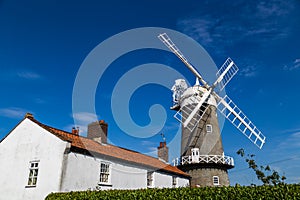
215 159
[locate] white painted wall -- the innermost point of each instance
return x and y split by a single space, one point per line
82 173
59 171
28 142
125 176
162 180
182 182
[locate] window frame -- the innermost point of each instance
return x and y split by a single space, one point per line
209 128
33 173
174 181
216 180
105 174
150 179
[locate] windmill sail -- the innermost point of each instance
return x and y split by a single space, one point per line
225 73
169 43
190 115
228 108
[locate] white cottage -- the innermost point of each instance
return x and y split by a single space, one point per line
37 159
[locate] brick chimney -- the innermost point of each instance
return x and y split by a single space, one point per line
75 131
163 151
98 131
29 116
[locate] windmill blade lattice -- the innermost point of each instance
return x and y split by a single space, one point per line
225 73
230 110
170 44
190 115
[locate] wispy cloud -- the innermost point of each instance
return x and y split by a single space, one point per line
13 112
248 71
85 117
82 120
17 74
147 143
29 75
256 22
249 68
171 126
293 65
292 140
39 101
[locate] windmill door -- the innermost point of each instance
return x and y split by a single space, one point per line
195 155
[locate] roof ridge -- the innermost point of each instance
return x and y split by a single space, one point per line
84 143
47 127
51 127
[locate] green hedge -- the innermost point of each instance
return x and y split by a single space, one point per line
289 192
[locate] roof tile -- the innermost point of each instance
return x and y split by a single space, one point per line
110 150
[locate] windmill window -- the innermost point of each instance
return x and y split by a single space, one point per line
216 180
209 128
149 179
104 172
33 173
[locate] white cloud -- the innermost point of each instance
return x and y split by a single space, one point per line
151 151
147 143
82 128
198 28
39 101
293 65
292 140
82 120
29 75
255 22
13 112
277 8
13 74
85 117
249 71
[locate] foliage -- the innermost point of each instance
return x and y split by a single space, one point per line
238 192
263 173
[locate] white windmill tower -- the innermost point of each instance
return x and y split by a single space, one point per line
202 154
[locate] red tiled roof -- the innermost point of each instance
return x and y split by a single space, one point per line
92 146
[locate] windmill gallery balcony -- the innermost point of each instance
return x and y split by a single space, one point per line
205 159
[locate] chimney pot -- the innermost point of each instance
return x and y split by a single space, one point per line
29 115
75 131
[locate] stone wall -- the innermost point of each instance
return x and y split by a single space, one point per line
203 175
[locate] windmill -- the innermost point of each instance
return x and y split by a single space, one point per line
202 154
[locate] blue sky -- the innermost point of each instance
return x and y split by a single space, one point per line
44 43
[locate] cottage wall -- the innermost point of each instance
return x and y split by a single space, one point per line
29 142
82 172
60 169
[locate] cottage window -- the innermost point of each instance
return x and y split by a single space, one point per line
149 179
174 181
104 173
33 173
209 128
216 180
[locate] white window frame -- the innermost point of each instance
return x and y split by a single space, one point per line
33 173
105 173
216 180
209 128
150 179
174 181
